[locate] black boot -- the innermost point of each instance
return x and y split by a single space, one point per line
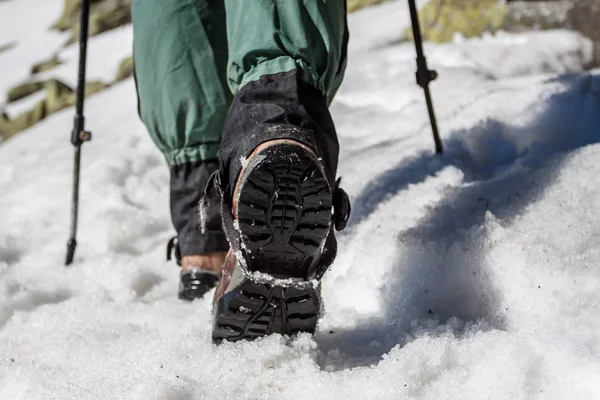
193 282
280 206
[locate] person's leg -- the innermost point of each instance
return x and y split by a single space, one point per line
286 62
280 152
180 57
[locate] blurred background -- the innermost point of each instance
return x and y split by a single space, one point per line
29 93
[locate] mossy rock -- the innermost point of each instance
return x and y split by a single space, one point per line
94 87
23 90
104 15
105 21
441 19
101 22
24 120
125 69
4 120
91 88
583 17
46 65
70 12
70 15
355 5
57 95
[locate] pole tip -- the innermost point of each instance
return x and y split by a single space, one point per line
71 245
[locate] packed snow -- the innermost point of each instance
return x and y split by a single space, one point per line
472 275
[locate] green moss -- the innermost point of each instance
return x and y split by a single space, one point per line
23 90
46 65
125 69
441 19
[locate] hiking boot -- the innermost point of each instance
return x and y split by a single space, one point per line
194 282
282 239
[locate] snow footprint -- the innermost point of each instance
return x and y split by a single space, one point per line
26 300
144 281
10 252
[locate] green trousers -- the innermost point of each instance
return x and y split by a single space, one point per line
192 56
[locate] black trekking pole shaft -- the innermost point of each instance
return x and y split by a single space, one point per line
424 74
78 135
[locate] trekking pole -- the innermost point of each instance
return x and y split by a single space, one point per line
424 74
79 135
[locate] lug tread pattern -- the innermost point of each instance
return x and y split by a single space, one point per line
284 213
254 310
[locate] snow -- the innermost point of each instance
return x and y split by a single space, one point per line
473 275
25 25
106 50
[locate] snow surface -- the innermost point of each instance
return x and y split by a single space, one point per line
469 276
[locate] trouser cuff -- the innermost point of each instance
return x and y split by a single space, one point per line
187 185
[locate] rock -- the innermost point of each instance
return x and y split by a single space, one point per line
23 90
46 65
57 95
104 15
69 15
94 87
105 21
90 89
125 69
24 120
536 15
583 17
579 15
441 19
4 120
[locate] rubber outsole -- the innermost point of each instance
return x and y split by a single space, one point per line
255 309
284 214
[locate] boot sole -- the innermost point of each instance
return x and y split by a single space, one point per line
284 213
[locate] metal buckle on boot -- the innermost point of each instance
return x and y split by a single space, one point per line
341 206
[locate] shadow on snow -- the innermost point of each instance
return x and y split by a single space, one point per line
440 276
